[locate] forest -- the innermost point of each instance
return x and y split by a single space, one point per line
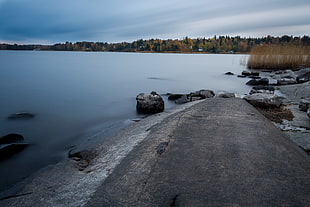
216 44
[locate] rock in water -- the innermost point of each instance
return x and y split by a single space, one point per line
253 82
10 138
21 115
8 150
264 100
150 103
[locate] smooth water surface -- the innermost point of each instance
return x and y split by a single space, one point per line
76 95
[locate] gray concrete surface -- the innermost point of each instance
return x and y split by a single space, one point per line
220 152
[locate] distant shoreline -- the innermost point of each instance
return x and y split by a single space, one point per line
214 45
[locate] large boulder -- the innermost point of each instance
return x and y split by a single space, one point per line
264 100
150 103
304 103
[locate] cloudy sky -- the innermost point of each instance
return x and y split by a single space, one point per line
52 21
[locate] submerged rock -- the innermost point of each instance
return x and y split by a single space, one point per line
21 115
10 138
173 97
264 100
8 150
150 103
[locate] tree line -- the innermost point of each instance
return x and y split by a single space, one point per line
220 44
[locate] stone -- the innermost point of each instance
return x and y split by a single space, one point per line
11 138
308 112
304 103
253 82
173 97
226 95
286 81
8 150
302 78
246 73
183 99
264 100
241 76
229 73
203 94
254 77
21 115
262 89
149 103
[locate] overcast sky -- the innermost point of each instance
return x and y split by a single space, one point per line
52 21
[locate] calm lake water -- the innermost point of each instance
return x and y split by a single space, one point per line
76 95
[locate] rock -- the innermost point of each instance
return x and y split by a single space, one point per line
263 81
286 81
203 94
262 89
248 73
255 73
183 99
173 97
229 73
269 88
241 76
8 150
254 77
304 103
226 95
10 138
21 115
308 112
150 103
302 78
264 100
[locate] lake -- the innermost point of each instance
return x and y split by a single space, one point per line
78 95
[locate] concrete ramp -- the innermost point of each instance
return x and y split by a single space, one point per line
220 152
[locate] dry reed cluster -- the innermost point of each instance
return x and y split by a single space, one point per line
279 57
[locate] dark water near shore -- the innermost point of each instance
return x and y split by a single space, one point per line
77 95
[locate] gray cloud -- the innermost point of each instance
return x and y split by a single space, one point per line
121 20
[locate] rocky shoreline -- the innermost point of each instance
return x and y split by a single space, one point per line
281 96
55 183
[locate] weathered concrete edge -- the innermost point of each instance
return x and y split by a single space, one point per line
64 185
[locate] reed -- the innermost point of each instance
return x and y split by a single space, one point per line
279 57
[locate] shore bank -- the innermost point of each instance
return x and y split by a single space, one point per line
174 155
66 184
